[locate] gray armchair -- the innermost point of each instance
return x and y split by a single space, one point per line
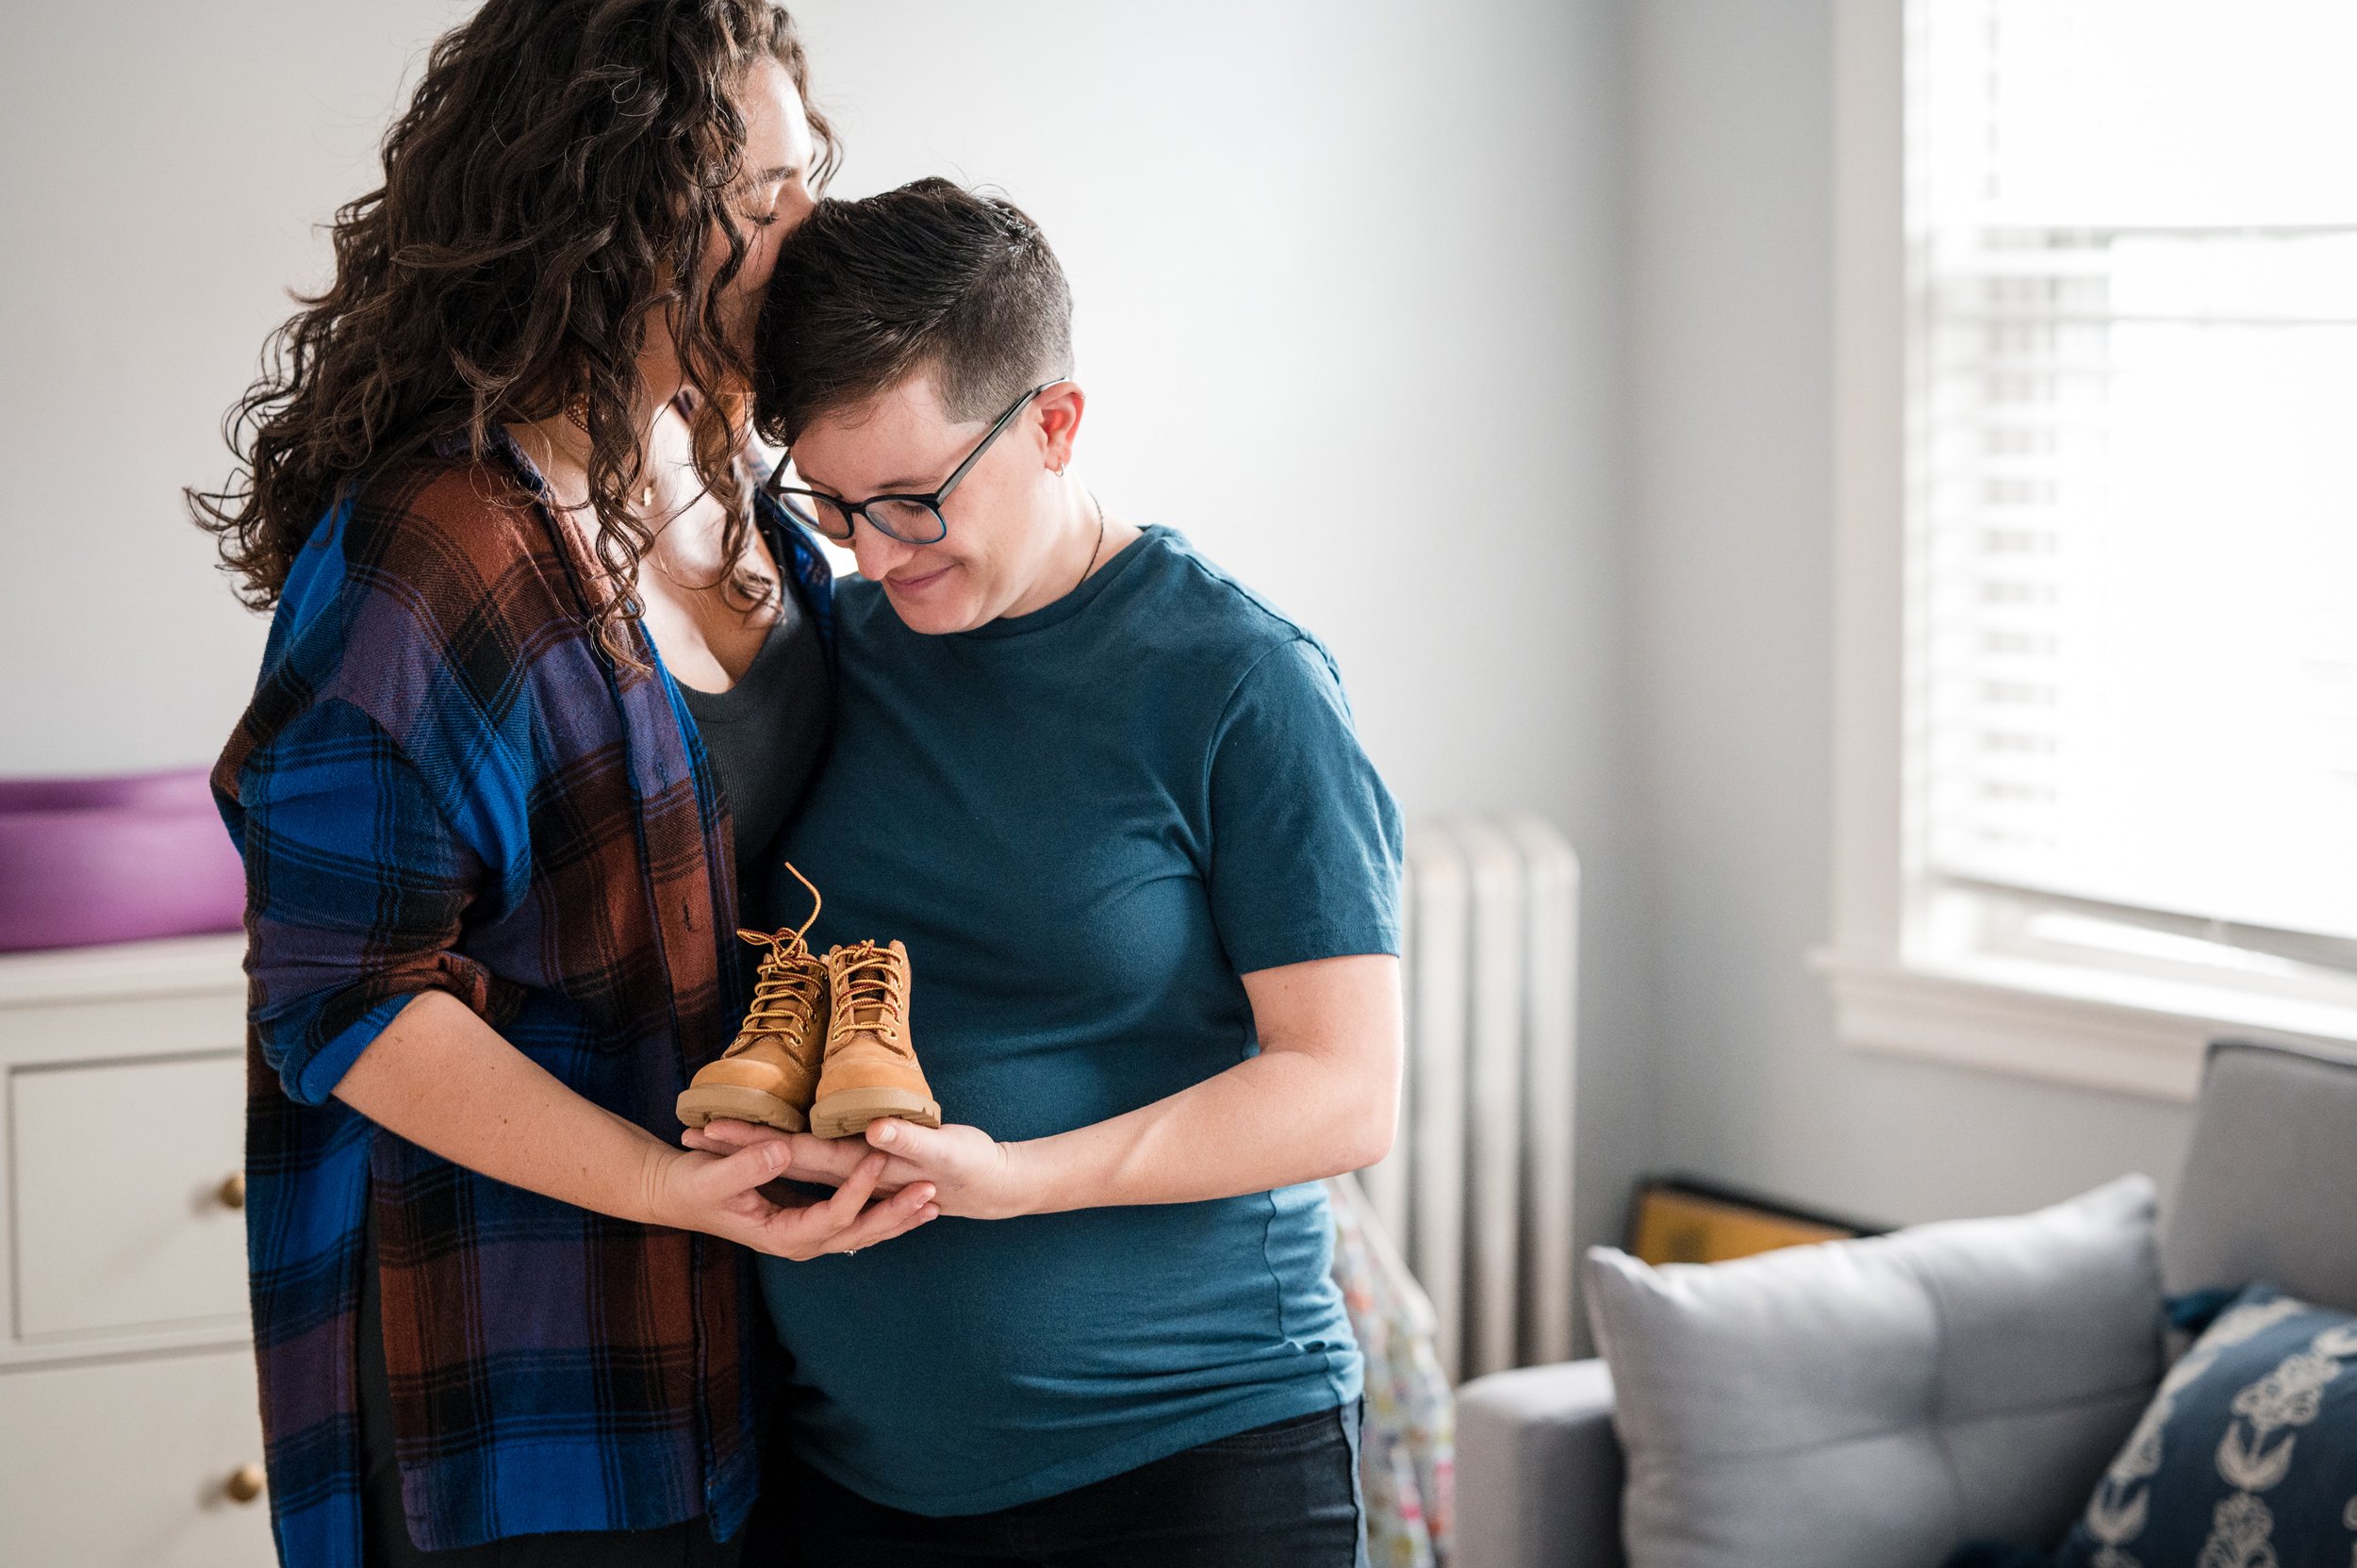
2269 1183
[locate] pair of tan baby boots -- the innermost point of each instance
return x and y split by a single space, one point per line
825 1047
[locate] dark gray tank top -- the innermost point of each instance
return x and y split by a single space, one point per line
764 735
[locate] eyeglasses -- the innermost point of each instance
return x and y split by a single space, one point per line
909 519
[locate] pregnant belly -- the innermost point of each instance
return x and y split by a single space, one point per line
1037 1338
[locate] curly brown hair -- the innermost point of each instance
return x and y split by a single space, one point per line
548 197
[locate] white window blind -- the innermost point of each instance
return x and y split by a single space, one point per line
2133 474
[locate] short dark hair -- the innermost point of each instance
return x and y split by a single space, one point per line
928 277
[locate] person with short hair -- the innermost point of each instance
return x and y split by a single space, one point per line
1114 803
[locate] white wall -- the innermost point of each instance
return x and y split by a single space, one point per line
1349 279
1731 351
161 168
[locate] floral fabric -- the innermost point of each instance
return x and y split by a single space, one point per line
1407 1458
2247 1458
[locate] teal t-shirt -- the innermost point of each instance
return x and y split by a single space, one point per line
1085 823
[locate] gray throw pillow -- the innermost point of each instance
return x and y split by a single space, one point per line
1871 1404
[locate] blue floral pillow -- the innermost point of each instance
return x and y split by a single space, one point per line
2246 1456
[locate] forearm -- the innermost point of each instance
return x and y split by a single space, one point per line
1272 1120
446 1080
1319 1099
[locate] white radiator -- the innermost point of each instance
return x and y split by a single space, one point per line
1477 1188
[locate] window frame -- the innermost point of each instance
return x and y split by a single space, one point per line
2095 1025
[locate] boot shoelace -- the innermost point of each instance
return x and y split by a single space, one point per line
869 995
789 986
785 994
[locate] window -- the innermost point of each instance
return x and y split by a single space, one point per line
2123 509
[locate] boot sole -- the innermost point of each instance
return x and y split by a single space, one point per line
699 1106
847 1112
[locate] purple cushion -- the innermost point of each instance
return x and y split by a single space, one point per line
89 861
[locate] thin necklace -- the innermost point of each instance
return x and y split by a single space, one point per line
1100 539
646 500
646 491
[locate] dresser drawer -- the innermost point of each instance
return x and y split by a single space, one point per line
133 1465
128 1186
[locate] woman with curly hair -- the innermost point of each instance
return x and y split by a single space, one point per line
544 677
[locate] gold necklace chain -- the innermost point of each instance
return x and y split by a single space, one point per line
1097 549
581 459
646 498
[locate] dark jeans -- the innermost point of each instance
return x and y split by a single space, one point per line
1280 1496
384 1534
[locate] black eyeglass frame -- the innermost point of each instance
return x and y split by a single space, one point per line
851 511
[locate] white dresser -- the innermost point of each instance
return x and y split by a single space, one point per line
128 1431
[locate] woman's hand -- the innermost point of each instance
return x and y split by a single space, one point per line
809 1158
971 1174
723 1195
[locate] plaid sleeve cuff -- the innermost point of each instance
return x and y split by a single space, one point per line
316 1078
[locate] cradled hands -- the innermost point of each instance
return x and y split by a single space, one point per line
967 1172
722 1191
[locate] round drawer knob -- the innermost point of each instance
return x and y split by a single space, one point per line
245 1483
232 1196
